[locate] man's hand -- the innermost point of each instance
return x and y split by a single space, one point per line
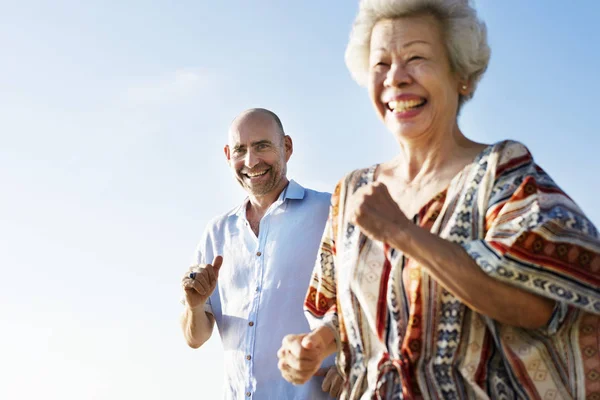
200 281
333 381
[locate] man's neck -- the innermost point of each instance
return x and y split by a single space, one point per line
258 205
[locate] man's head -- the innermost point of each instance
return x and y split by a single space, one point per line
258 151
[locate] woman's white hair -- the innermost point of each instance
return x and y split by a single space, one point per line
464 33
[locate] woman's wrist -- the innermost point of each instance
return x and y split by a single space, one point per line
329 339
401 237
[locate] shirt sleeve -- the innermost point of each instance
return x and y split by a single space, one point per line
538 239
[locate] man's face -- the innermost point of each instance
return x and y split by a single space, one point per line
258 153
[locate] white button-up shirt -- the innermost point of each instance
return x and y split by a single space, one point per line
261 288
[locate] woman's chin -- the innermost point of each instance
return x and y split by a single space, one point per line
407 131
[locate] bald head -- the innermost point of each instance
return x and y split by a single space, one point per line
257 116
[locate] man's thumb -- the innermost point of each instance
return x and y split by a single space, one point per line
311 341
217 262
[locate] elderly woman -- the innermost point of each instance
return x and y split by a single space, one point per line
456 270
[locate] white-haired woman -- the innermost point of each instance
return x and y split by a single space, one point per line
456 270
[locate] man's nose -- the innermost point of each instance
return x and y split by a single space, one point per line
251 159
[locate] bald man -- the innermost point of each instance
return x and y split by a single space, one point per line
261 256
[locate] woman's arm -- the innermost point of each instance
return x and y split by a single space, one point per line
380 218
450 265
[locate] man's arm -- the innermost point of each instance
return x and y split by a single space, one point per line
198 284
197 325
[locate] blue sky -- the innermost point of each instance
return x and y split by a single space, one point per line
113 116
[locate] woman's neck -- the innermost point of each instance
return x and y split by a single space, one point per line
430 155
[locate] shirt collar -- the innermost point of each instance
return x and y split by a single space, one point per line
293 191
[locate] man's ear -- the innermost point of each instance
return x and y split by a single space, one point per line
288 146
227 153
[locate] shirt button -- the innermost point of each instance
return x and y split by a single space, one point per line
251 323
257 288
258 253
248 394
248 357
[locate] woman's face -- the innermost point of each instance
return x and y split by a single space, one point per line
411 83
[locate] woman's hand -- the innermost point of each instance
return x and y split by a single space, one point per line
300 356
376 214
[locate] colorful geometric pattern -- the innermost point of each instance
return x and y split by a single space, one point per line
402 335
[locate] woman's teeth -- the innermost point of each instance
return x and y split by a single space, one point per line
401 106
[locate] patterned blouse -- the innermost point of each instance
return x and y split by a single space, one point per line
403 336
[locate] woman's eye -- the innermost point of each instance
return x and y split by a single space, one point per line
380 64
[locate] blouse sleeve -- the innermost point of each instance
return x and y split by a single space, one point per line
538 239
320 305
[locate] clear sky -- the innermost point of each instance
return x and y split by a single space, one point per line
113 116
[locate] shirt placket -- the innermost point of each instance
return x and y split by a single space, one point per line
259 265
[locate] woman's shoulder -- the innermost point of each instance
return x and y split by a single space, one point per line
357 178
507 156
513 165
350 182
509 150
